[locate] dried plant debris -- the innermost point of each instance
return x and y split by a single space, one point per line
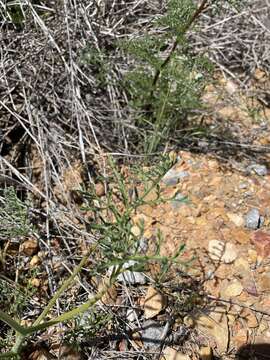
62 70
64 107
236 39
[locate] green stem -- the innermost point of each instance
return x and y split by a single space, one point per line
194 17
12 323
21 331
58 293
74 312
8 355
18 343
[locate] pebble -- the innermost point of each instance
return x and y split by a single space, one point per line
143 245
233 289
178 201
260 170
173 176
130 277
220 251
30 247
35 261
243 185
261 240
206 353
253 220
35 282
152 334
100 189
132 315
236 219
172 354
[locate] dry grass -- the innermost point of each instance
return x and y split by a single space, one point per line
57 110
237 41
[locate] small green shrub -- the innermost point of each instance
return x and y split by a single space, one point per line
116 245
14 217
167 79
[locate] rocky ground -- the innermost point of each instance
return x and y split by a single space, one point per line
221 212
203 229
224 223
214 200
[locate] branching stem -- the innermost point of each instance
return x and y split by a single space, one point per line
204 5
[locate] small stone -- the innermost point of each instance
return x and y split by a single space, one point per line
215 324
178 201
172 354
261 240
252 256
234 289
135 230
250 318
35 261
152 334
185 211
223 271
30 247
253 220
231 319
241 337
206 353
241 236
263 327
220 251
243 185
128 276
35 282
154 302
258 169
203 144
242 265
236 219
173 176
259 74
132 315
143 245
250 286
100 189
231 87
264 282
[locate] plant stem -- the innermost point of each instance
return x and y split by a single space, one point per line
8 355
22 332
58 293
194 17
12 323
74 312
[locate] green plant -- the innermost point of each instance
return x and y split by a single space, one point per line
15 12
13 215
13 218
168 78
98 61
117 246
87 325
14 301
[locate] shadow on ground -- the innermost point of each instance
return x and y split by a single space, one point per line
226 144
254 352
